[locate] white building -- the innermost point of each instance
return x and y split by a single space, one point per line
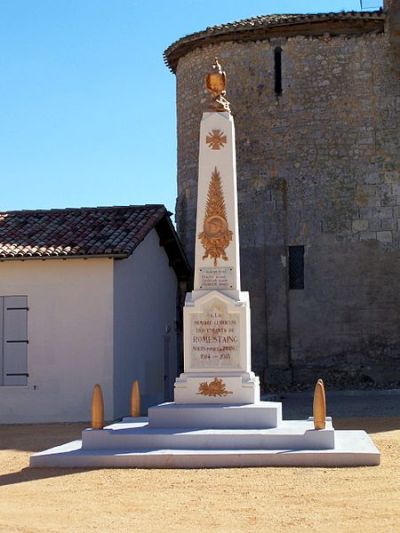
87 296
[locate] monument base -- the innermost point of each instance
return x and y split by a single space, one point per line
262 415
211 436
353 448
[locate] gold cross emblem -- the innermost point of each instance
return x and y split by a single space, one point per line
216 139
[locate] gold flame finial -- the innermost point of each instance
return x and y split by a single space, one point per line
97 408
135 399
319 405
216 85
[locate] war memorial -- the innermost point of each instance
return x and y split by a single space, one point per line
217 418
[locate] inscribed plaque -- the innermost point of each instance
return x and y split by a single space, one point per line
215 338
216 278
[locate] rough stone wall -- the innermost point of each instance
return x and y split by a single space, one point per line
318 166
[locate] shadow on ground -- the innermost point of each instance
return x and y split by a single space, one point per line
37 437
37 474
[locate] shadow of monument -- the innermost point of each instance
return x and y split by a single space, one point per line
36 474
37 437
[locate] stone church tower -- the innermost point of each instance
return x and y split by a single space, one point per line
316 102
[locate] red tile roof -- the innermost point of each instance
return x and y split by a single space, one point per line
88 231
266 26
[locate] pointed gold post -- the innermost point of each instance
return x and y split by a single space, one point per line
135 399
319 405
97 408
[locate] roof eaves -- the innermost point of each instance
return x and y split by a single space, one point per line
173 248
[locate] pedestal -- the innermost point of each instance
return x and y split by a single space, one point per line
217 348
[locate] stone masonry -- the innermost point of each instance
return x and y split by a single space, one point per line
319 167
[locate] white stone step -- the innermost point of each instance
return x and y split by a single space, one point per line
134 436
352 448
260 415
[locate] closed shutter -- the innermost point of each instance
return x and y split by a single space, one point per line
15 340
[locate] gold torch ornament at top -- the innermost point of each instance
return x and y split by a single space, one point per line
216 85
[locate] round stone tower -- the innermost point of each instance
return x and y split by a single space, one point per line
393 28
316 101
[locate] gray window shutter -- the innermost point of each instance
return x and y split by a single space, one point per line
15 340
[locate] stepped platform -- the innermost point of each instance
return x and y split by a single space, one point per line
260 415
177 436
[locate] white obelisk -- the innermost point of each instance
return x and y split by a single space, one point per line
217 348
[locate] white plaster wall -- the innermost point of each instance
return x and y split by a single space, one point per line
70 332
145 288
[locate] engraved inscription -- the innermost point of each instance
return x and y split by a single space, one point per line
216 278
215 338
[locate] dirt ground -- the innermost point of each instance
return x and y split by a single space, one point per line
229 500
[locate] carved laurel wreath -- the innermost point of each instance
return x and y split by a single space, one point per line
215 388
216 234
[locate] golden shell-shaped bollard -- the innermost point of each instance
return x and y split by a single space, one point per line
135 399
319 405
97 408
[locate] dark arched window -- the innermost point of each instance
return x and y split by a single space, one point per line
278 70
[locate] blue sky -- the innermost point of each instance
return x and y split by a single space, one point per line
87 107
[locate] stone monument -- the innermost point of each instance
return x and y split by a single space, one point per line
217 418
217 345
